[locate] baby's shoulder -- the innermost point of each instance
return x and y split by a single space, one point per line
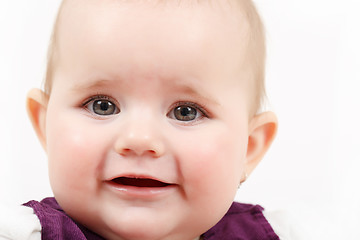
248 221
18 222
242 221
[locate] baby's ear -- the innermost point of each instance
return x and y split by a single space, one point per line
36 104
262 131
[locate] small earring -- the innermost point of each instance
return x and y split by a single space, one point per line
242 181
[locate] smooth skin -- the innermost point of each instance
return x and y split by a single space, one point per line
149 91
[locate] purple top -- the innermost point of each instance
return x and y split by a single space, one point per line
241 222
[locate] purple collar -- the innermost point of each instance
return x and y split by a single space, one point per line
241 222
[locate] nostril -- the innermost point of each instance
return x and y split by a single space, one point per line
152 152
139 147
128 152
125 151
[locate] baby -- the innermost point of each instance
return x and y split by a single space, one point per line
150 120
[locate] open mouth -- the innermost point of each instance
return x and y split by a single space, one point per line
139 182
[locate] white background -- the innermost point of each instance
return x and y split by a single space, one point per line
313 76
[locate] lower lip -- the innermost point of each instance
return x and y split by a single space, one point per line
141 192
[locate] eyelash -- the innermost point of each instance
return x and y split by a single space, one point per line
196 106
94 98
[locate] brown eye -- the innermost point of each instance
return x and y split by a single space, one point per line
104 107
101 105
185 113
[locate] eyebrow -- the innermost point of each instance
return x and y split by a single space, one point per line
194 91
93 85
178 86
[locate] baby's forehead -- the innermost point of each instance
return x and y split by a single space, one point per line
231 8
94 18
229 18
159 28
87 20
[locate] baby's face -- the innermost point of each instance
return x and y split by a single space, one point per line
147 122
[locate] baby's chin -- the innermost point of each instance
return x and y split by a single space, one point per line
117 220
140 231
140 227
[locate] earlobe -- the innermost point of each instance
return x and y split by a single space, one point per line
262 131
36 104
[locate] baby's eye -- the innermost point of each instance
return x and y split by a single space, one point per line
101 106
186 113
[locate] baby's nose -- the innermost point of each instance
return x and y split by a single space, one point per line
140 137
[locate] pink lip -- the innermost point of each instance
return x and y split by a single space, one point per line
140 187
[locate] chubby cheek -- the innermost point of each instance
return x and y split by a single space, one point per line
212 164
74 155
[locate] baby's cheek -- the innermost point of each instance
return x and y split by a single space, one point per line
211 175
73 156
213 165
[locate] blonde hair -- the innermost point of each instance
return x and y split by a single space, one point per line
256 51
52 54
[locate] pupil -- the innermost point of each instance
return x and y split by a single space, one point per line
104 106
185 111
